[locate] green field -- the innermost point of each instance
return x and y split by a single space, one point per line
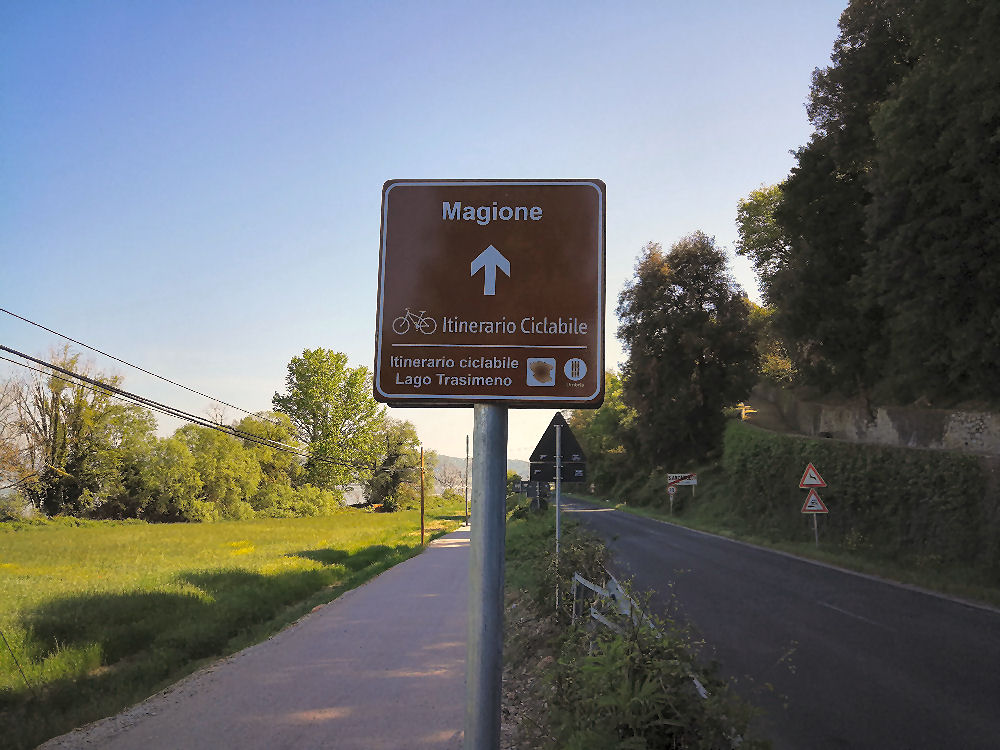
100 615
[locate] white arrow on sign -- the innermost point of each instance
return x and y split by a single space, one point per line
489 260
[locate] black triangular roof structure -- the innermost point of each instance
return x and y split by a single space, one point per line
545 451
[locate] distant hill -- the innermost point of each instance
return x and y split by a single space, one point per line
521 467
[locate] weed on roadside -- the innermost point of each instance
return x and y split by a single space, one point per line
589 686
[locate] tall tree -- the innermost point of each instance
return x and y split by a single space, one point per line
171 489
760 237
277 465
832 325
832 330
77 437
607 436
334 413
397 463
691 350
934 217
15 470
229 473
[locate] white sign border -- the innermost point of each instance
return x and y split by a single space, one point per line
402 400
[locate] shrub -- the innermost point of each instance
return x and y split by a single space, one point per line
531 557
275 500
608 690
636 689
451 495
902 502
407 497
314 501
15 507
201 510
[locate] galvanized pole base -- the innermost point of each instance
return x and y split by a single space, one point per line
484 651
466 480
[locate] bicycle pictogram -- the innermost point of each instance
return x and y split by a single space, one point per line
421 322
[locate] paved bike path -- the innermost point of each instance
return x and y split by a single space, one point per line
382 666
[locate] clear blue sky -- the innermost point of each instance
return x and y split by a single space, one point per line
195 187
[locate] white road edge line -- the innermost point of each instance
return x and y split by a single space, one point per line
856 617
899 585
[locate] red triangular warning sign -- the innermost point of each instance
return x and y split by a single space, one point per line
811 478
813 504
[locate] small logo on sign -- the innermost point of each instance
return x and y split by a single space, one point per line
541 371
575 369
418 321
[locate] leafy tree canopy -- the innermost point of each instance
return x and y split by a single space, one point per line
890 218
276 465
691 350
397 462
229 473
934 217
832 327
334 413
607 435
761 238
77 437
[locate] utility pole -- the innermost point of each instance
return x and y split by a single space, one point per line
558 498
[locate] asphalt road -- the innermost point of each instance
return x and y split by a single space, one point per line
869 664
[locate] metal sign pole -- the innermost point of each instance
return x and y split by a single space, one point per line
558 498
466 480
484 649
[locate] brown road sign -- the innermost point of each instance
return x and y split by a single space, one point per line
491 291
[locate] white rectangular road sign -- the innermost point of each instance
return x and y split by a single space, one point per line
682 480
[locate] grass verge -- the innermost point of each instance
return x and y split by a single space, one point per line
100 615
588 686
709 508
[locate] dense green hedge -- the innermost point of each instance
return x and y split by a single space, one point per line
928 506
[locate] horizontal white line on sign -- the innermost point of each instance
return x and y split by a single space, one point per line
491 346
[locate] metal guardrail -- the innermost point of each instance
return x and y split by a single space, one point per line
619 602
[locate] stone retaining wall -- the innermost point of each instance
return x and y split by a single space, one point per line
908 427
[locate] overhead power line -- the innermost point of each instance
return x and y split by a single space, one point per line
110 390
114 391
129 364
